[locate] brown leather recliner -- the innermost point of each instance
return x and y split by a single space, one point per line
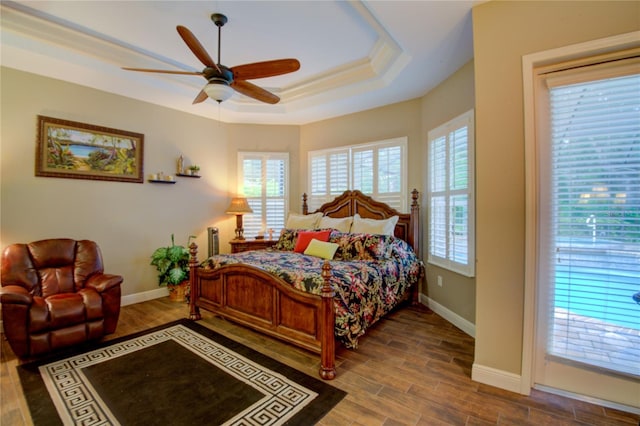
54 294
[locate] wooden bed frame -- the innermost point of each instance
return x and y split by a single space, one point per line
256 299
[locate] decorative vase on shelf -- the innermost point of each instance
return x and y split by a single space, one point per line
180 165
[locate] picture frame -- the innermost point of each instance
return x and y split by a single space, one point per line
69 149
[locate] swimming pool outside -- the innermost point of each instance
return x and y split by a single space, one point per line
602 294
598 279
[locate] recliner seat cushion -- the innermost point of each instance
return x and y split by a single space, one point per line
64 310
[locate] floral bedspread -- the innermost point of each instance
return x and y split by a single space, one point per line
376 272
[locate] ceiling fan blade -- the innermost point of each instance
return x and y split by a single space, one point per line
255 92
163 71
202 96
195 46
265 69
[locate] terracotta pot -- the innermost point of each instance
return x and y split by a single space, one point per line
178 292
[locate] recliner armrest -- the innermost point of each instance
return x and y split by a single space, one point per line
15 294
103 282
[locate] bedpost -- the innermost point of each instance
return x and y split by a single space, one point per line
328 340
194 289
414 240
305 206
414 232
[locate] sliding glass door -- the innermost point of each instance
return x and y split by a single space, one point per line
588 327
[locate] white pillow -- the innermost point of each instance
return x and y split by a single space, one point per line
303 221
342 224
373 226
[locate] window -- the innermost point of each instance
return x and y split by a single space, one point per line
590 213
450 195
377 169
263 177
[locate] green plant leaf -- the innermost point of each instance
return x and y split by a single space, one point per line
177 275
172 263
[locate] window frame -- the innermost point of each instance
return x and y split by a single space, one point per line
550 343
316 199
448 261
264 157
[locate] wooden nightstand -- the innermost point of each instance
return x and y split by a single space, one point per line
238 246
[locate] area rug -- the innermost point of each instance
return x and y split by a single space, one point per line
181 373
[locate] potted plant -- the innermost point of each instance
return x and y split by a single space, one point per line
172 264
194 169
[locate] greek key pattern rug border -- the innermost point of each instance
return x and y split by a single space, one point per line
77 402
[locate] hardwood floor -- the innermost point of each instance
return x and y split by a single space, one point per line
413 368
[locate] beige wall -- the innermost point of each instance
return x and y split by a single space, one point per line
130 220
450 99
127 220
503 32
261 138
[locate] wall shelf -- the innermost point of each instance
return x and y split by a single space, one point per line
161 181
189 176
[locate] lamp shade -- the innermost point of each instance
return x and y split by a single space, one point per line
239 205
218 91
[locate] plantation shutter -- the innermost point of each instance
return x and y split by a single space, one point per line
319 179
275 194
438 217
252 189
459 189
591 248
363 174
339 173
329 176
389 176
378 169
450 195
264 180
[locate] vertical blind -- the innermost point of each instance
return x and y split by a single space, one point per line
450 195
264 181
593 255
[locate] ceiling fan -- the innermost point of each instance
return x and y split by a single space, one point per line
221 80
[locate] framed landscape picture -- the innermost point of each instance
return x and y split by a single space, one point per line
68 149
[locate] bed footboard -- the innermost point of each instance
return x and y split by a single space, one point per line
261 301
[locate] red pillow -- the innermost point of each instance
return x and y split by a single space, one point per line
305 237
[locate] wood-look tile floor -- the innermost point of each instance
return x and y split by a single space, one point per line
412 368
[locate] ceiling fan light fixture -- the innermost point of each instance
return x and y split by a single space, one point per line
218 91
220 78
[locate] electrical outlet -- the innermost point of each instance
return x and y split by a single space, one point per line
439 280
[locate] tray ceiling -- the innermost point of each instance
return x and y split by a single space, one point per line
354 55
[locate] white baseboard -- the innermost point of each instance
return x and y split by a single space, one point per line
455 319
130 299
498 378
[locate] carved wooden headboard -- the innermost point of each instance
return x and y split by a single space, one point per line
351 202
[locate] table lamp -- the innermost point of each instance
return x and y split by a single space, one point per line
239 206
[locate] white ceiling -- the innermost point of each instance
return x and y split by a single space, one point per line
354 55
